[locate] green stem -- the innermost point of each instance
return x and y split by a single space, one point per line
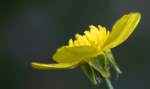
108 84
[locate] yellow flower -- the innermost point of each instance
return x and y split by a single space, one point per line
92 51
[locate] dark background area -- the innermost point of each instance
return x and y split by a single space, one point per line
31 30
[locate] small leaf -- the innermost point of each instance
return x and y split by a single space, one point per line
112 61
90 73
98 63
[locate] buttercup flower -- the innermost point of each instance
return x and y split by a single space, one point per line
92 50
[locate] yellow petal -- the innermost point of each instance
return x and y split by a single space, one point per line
122 29
70 43
74 54
43 66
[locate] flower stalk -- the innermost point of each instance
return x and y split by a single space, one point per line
107 84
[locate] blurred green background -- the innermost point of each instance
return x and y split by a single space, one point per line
31 30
